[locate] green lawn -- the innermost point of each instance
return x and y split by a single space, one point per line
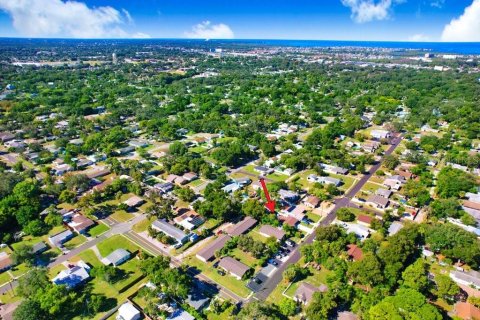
317 278
277 177
4 277
75 242
195 183
142 225
89 257
250 169
121 216
244 257
98 229
19 270
314 217
347 181
52 272
116 242
229 282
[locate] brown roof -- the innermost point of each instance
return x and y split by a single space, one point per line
272 232
5 262
354 252
233 266
471 204
208 252
172 178
134 201
313 201
405 174
467 311
347 315
80 222
364 218
291 221
97 172
378 200
305 291
242 226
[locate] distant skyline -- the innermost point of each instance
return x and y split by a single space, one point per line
364 20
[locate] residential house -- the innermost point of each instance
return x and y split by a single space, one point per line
472 208
74 276
134 201
80 223
234 267
380 134
333 169
354 252
231 188
190 176
383 193
60 238
171 231
39 247
189 220
305 292
394 228
370 146
394 182
359 230
364 219
324 180
61 169
243 181
5 261
288 196
164 187
297 212
208 252
116 258
6 136
378 202
270 231
180 314
290 221
311 202
241 227
125 151
97 172
263 170
128 312
466 311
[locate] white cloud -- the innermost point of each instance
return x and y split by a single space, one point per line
141 35
369 10
58 18
207 30
128 16
419 38
465 28
437 3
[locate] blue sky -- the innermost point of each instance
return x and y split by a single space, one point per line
394 20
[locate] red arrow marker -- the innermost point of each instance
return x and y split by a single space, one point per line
270 203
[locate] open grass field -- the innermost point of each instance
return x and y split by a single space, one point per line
98 229
75 242
121 216
116 242
229 282
4 277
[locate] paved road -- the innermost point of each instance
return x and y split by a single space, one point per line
119 228
226 293
275 279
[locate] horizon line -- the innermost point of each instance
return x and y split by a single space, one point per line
238 39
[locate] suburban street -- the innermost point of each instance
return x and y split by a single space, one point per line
295 256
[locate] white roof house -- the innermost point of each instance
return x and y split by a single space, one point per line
128 312
74 276
116 258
